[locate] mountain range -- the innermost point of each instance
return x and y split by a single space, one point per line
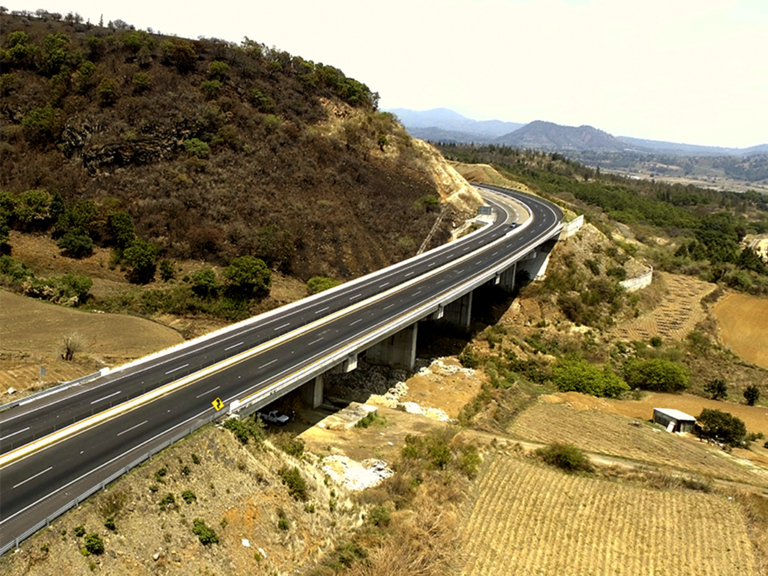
443 125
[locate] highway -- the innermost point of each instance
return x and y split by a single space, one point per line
259 353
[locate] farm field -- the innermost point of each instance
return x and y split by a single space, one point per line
676 316
611 434
529 519
31 332
743 320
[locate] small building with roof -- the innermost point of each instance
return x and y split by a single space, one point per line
673 420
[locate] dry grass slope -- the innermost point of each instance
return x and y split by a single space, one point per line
533 520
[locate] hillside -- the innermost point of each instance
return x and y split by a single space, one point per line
213 150
540 135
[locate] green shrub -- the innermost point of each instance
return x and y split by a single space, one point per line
8 83
217 69
167 501
248 276
160 474
205 534
188 496
379 516
41 125
469 461
567 457
575 375
237 428
282 520
297 486
76 243
141 82
109 524
656 374
261 101
204 282
290 444
318 284
197 148
94 544
366 421
210 88
14 269
79 531
469 359
107 91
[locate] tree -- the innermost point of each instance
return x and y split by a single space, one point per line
107 91
752 394
249 276
204 282
141 256
656 374
76 243
722 427
71 344
718 388
122 229
580 376
78 284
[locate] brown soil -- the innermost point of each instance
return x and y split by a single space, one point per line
604 427
31 333
743 324
443 390
529 519
676 316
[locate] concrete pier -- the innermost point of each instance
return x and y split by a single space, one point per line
397 350
312 392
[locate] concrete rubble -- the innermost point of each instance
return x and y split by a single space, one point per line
356 475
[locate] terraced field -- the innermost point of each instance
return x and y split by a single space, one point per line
532 520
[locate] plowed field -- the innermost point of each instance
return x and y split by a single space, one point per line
529 519
743 324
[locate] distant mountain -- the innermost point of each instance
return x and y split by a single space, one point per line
540 135
678 149
449 126
444 125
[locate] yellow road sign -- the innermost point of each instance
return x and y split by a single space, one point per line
218 404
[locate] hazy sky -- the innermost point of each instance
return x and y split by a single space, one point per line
692 71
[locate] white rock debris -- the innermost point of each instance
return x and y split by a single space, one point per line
356 475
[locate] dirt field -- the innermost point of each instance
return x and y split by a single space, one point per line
676 316
31 332
601 429
529 519
743 322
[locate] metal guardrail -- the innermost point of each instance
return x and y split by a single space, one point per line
106 482
47 391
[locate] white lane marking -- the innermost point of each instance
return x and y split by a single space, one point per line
388 307
133 427
439 282
14 433
268 363
385 284
410 274
282 326
322 310
430 266
233 346
179 425
109 396
355 296
315 341
494 254
459 271
177 368
417 293
35 476
208 392
356 321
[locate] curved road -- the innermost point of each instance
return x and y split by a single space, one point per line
34 487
